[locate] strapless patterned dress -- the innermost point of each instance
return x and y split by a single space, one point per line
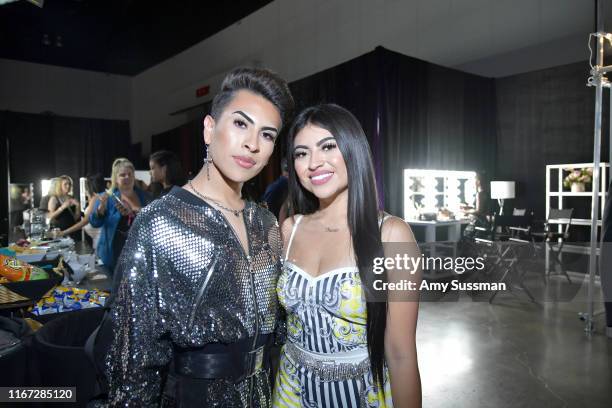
325 360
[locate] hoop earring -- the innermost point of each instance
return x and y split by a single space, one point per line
207 161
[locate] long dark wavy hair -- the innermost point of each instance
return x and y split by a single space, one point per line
363 212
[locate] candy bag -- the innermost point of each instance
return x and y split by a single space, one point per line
15 270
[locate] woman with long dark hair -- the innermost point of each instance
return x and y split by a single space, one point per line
341 351
166 170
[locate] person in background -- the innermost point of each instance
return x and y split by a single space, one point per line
276 193
94 185
140 184
478 215
116 210
62 210
481 205
166 170
44 200
20 200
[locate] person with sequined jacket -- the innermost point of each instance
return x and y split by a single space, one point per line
195 311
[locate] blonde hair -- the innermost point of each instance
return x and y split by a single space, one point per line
119 164
56 185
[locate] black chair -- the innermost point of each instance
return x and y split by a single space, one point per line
523 248
526 253
503 250
503 227
14 336
556 239
60 356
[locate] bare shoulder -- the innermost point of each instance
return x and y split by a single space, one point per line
394 229
287 226
52 203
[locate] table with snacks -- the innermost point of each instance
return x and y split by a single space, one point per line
49 277
52 298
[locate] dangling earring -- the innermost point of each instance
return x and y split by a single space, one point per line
207 161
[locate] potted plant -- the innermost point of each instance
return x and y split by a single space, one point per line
577 179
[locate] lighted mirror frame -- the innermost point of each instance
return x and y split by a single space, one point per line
430 190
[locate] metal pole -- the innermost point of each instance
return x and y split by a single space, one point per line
598 79
599 13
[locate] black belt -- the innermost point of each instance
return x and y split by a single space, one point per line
235 361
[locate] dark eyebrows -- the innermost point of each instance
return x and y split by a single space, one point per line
244 115
319 143
273 129
252 122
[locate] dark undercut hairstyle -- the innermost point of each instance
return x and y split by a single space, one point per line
363 212
174 170
261 82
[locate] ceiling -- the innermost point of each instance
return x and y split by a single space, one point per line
130 36
115 36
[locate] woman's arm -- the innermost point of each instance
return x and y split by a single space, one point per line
98 213
285 231
76 213
402 314
82 222
54 209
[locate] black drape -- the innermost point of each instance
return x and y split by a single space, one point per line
433 118
415 114
186 141
4 189
546 117
45 146
352 85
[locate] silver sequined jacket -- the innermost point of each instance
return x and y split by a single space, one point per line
186 283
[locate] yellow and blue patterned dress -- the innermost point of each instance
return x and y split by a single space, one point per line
325 360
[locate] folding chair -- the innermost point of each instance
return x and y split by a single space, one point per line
500 249
555 239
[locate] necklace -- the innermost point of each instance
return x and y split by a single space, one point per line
217 203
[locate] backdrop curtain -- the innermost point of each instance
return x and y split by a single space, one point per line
46 146
415 114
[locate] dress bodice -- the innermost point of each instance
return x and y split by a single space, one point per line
326 313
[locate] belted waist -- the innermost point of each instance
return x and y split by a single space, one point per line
330 366
235 361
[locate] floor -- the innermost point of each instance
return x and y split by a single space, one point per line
513 352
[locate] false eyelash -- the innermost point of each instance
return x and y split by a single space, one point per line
329 145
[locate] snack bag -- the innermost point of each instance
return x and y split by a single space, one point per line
15 270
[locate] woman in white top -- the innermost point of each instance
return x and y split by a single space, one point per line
342 350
